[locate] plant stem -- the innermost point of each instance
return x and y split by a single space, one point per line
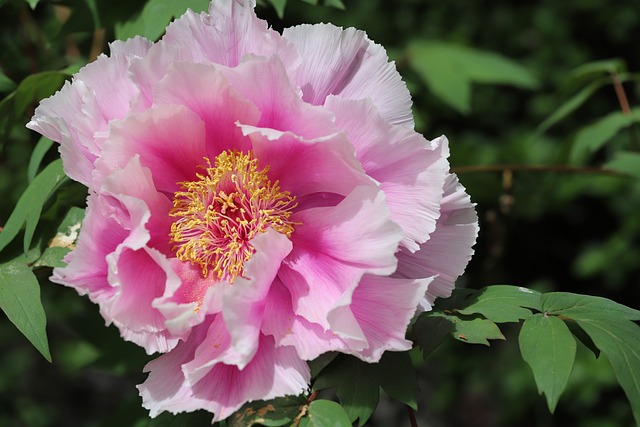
536 168
412 417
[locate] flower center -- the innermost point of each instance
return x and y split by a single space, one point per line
219 213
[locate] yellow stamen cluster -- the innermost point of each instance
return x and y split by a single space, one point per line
220 212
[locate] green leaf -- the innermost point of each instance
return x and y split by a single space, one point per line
570 105
198 418
155 16
6 84
335 3
43 145
431 331
584 338
64 240
325 413
610 326
29 206
37 86
275 412
279 5
475 331
33 3
469 329
577 307
503 303
626 162
549 348
591 138
595 70
449 70
357 385
30 90
398 378
319 363
52 257
20 301
620 340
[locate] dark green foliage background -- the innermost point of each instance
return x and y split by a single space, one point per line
574 232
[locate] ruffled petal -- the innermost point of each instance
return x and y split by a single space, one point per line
203 89
289 329
272 372
78 115
279 102
225 35
166 389
243 305
307 167
345 62
168 139
449 248
138 280
332 248
409 168
383 307
86 268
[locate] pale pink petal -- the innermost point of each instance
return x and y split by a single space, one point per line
289 329
225 35
333 247
303 167
277 99
148 70
345 62
61 119
169 139
409 168
78 115
133 187
383 307
244 301
203 89
449 248
136 46
188 297
273 372
166 389
86 268
138 280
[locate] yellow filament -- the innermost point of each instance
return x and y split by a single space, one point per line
223 209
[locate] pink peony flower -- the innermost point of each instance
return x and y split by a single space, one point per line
255 200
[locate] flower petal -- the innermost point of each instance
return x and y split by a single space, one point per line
273 372
383 307
409 168
169 139
332 248
279 102
449 248
225 35
138 280
345 62
203 89
289 329
305 167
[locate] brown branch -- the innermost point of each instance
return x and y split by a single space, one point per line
624 104
537 168
412 417
620 93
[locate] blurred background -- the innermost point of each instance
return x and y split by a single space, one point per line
525 93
